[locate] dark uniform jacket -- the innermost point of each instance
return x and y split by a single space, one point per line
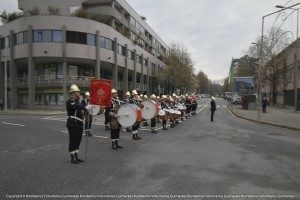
74 110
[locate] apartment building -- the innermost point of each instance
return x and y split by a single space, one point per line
48 49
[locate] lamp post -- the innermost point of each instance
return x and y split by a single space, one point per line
296 59
5 82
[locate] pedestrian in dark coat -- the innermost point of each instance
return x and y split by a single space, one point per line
212 108
264 102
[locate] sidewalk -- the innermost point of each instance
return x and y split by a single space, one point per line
281 117
34 112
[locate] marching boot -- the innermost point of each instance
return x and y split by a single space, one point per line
86 132
137 137
165 128
153 131
117 144
182 119
113 145
73 159
172 125
77 158
107 128
145 123
134 137
89 133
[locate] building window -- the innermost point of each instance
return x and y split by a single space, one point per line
21 38
37 36
91 39
145 62
107 43
132 20
121 50
76 37
23 99
46 36
57 36
138 59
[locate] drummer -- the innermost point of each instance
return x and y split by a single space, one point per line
188 105
126 100
181 101
153 120
115 127
194 105
164 106
135 127
172 118
145 97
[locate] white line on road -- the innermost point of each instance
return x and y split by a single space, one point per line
98 136
12 124
49 117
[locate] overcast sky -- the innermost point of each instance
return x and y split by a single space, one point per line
213 31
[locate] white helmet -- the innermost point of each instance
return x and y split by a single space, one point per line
87 94
213 98
134 92
145 97
127 93
114 91
153 96
74 88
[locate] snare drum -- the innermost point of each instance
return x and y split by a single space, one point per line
162 115
128 114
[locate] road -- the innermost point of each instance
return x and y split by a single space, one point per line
210 160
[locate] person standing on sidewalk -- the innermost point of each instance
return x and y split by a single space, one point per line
213 108
74 123
264 102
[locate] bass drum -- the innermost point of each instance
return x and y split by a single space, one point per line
150 109
128 114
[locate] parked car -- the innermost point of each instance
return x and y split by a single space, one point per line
236 99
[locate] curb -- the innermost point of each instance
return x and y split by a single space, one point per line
262 122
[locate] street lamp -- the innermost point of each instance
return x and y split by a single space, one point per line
296 58
5 83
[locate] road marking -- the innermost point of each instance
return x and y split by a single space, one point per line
12 124
98 136
49 117
201 109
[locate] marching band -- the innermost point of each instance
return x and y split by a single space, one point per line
128 114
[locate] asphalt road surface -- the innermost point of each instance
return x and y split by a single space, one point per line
230 158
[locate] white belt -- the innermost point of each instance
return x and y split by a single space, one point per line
76 118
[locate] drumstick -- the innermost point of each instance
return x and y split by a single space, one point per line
126 114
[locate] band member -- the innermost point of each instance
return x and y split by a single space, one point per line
188 105
87 117
171 105
74 123
153 120
115 127
106 116
164 105
213 108
181 101
127 97
135 127
126 100
194 105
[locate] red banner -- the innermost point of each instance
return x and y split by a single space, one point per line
101 92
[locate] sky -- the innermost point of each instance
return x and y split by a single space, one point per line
213 31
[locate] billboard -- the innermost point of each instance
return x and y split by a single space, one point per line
244 85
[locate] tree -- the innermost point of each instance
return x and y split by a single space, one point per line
203 83
274 44
53 10
178 71
8 17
